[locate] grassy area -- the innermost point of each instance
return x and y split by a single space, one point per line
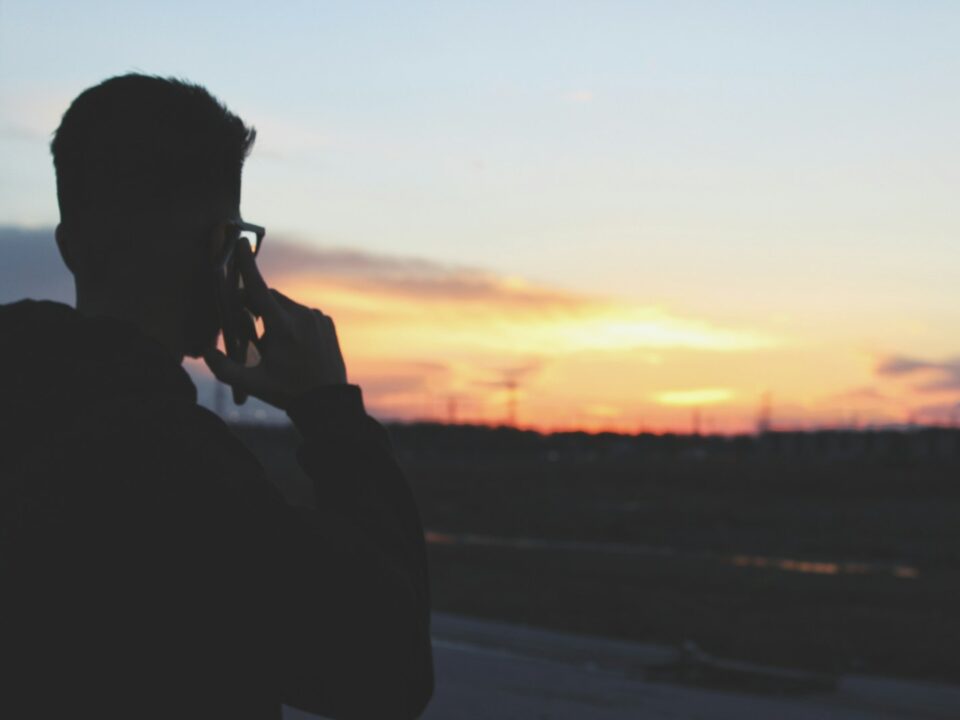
879 625
707 507
836 511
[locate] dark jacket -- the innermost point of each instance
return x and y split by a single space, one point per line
149 569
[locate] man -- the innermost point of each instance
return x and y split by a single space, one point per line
148 567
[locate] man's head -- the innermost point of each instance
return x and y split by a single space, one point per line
147 170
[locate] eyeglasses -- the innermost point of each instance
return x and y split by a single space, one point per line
236 231
248 232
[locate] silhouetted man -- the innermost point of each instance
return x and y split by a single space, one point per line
148 567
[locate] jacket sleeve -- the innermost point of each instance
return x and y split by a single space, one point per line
353 601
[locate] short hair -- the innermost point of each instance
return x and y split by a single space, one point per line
137 144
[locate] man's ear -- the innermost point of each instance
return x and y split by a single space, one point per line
63 244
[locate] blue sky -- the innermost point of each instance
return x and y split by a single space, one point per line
788 166
546 138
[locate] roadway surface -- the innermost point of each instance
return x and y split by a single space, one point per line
509 672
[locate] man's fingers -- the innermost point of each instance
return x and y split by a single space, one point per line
256 292
248 380
226 370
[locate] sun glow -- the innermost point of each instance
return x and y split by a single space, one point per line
626 328
694 398
460 345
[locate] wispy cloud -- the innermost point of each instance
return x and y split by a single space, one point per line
405 277
932 376
941 413
478 308
525 316
861 394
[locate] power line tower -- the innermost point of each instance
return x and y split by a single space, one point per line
508 385
764 415
511 385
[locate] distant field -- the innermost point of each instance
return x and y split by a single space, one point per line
707 506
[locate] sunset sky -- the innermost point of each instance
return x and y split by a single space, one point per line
631 212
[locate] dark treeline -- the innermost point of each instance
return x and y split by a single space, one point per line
921 445
915 465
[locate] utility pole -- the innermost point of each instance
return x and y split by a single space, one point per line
511 386
763 417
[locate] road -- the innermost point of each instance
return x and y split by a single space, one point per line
509 672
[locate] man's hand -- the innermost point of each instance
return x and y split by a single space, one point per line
299 350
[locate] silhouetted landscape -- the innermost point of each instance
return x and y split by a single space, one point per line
834 550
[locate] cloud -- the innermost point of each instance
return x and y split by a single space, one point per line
386 386
482 309
901 365
861 394
407 277
939 413
385 382
30 266
412 300
939 376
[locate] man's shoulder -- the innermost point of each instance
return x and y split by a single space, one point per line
94 397
28 318
28 315
29 305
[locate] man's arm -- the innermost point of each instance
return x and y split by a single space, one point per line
356 622
352 595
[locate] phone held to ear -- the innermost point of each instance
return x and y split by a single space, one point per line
236 321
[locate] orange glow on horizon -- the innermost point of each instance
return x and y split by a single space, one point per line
695 398
430 343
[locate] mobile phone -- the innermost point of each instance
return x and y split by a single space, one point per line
237 322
